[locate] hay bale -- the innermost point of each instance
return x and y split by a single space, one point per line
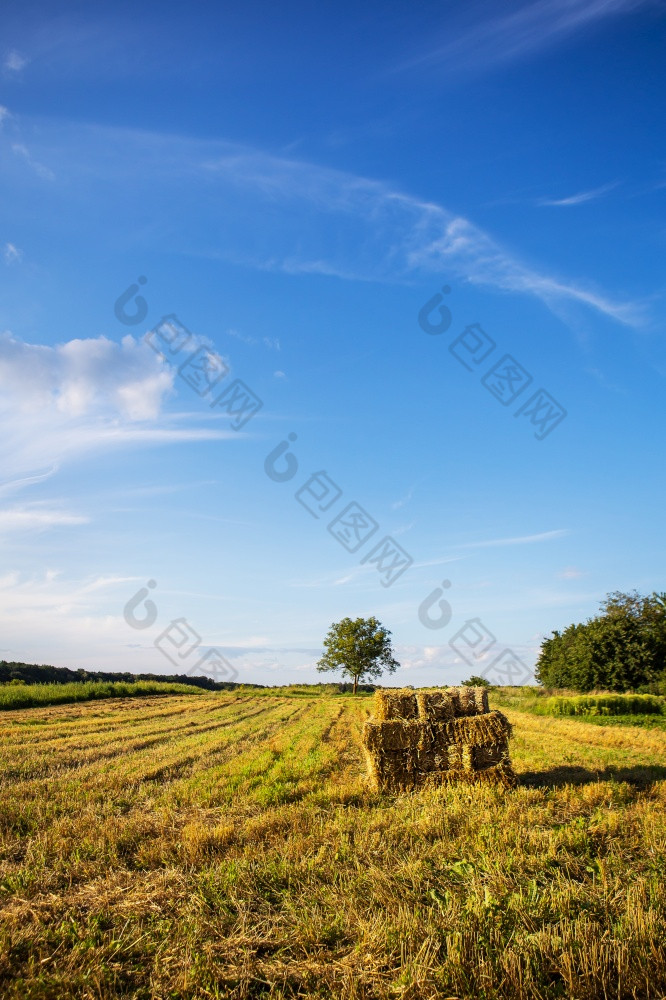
395 776
467 701
434 706
470 700
491 727
488 755
430 706
394 734
481 700
454 695
432 737
395 703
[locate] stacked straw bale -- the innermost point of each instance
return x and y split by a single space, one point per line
419 738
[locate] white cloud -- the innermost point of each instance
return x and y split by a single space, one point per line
4 114
80 376
580 198
571 573
19 149
403 500
58 403
12 486
544 536
35 517
48 619
14 62
344 225
476 257
244 338
519 33
11 253
391 235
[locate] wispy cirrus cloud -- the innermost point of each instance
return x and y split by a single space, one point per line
403 500
14 62
37 517
480 260
518 33
11 253
571 573
20 149
578 199
394 235
277 214
15 485
544 536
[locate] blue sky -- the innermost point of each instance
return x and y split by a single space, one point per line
294 187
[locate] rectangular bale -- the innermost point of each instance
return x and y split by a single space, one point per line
390 772
395 703
396 779
396 734
454 695
474 730
434 706
469 700
481 700
491 727
488 755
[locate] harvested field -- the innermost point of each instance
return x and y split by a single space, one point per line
228 846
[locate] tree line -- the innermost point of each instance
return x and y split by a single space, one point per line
623 648
33 673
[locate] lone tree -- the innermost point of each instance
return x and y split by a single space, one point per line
359 648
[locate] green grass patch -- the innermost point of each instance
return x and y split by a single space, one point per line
644 721
603 708
13 696
603 704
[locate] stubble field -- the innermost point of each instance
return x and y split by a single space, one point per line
225 845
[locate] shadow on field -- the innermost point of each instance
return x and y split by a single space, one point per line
555 777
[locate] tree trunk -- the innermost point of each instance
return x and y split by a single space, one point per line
355 683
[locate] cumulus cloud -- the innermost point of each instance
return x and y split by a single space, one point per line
57 403
80 376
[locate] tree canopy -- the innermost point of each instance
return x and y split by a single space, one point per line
620 649
358 647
